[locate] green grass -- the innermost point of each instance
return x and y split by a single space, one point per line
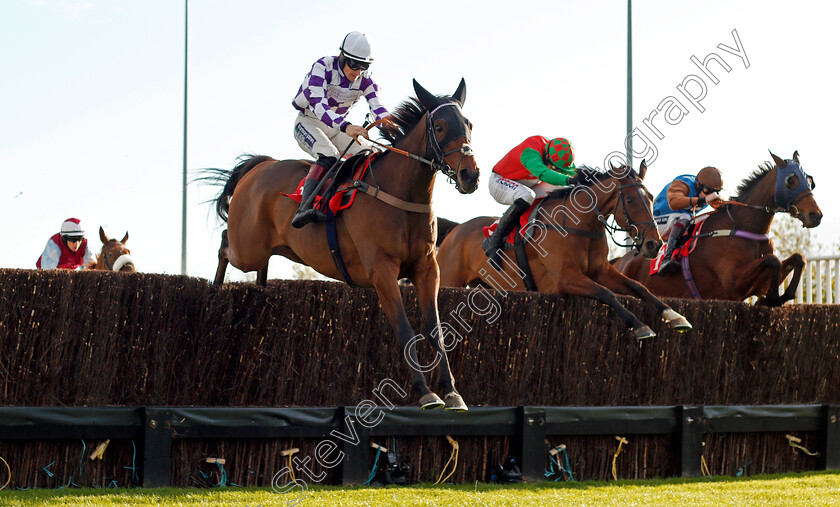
811 489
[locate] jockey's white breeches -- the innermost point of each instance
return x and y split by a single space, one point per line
506 191
317 139
665 222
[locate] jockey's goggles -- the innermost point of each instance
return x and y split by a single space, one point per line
356 64
706 190
73 239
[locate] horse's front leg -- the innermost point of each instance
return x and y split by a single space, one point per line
612 279
426 280
763 272
795 263
572 281
383 275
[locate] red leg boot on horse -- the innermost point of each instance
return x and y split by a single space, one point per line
669 265
306 213
493 244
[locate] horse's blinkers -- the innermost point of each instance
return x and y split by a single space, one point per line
786 197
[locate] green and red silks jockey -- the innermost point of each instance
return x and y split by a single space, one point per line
532 169
537 158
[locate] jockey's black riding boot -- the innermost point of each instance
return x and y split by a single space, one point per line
670 265
494 243
305 212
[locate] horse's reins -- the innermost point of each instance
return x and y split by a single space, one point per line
767 209
377 193
745 234
639 233
391 148
439 162
612 229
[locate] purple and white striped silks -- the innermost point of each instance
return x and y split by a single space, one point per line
328 95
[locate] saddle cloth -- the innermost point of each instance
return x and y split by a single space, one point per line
685 243
527 217
340 193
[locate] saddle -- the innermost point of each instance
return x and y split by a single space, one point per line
339 192
525 231
527 217
685 243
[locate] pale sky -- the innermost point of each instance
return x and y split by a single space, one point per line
91 98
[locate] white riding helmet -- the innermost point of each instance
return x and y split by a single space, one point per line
72 227
357 47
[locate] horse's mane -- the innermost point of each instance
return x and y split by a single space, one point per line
752 180
586 176
402 119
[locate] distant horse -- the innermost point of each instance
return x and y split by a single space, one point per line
569 257
733 258
114 255
380 242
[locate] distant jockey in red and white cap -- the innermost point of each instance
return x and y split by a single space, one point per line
67 249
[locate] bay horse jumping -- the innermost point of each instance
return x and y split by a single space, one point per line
114 255
380 243
733 258
570 255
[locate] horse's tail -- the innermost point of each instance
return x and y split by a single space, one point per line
230 179
444 227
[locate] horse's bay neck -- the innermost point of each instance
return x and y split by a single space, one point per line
405 178
586 219
751 219
761 198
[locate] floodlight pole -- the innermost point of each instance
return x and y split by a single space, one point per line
629 139
184 178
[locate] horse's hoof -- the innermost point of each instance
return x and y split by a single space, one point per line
431 401
680 325
765 301
455 403
643 333
676 321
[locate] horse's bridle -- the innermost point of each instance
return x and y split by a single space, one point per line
438 159
783 206
786 202
121 261
438 162
639 234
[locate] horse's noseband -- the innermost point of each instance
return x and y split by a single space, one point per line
638 236
122 259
